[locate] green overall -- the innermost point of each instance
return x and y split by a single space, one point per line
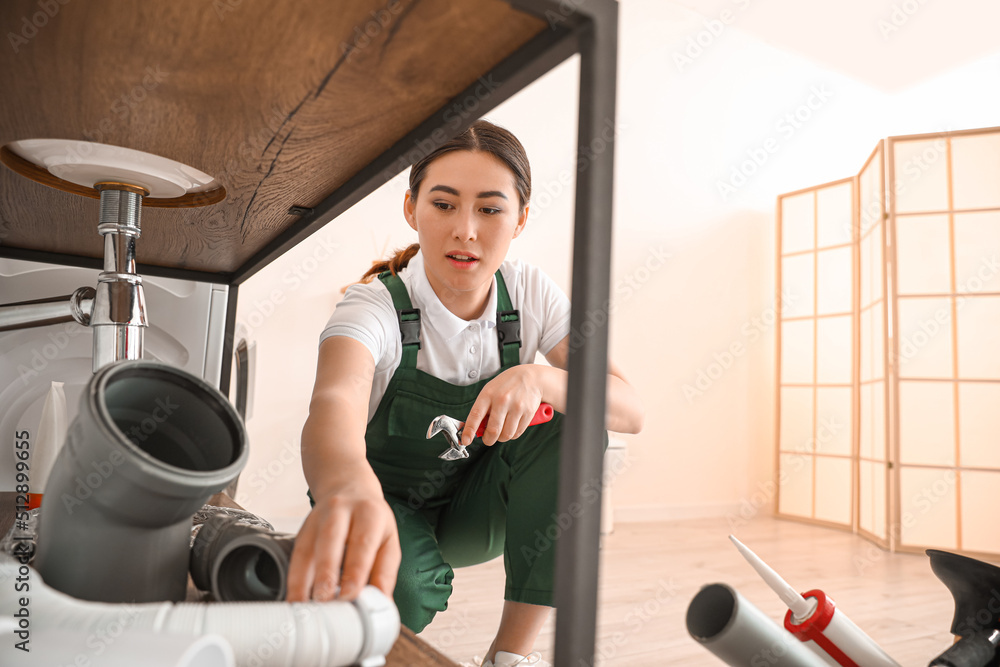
502 499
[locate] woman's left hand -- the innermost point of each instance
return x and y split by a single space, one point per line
510 400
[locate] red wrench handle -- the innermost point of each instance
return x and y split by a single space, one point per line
542 415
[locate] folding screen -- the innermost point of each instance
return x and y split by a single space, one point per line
816 361
873 438
918 463
944 210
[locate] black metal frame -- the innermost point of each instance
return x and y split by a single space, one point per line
582 451
590 28
229 342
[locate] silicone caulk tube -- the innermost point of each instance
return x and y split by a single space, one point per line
48 441
817 622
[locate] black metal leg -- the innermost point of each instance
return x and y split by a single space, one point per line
577 555
229 342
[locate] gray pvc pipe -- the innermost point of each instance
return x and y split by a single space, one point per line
150 445
740 634
238 562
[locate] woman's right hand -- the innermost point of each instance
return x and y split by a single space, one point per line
349 539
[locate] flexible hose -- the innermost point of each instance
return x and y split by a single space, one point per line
237 562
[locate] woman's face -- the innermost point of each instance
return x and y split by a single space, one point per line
466 213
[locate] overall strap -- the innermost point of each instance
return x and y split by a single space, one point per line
508 326
409 318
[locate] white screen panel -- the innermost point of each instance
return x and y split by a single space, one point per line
872 426
878 421
872 342
927 507
923 255
871 267
980 495
877 289
979 338
879 491
871 217
797 223
976 170
834 342
921 175
878 342
865 434
795 483
926 423
833 420
835 281
979 424
833 490
865 260
834 206
797 277
925 338
866 499
871 498
866 363
977 252
870 194
796 419
797 352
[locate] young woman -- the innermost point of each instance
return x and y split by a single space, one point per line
448 328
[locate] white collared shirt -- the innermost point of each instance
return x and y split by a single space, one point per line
455 350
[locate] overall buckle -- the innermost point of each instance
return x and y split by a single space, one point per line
409 326
509 327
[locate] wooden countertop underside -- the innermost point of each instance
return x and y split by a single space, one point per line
280 102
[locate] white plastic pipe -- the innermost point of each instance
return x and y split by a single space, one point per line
262 634
740 634
52 648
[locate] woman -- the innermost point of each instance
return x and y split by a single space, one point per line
422 341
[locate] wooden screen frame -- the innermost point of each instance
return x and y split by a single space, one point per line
894 409
884 153
815 384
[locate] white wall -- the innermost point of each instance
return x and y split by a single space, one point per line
682 130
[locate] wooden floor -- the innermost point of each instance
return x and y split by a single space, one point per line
651 571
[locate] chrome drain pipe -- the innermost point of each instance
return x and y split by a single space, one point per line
119 315
75 307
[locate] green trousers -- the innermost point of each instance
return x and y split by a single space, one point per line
504 503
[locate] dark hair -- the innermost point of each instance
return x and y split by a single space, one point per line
481 137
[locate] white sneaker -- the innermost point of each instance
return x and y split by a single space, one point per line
505 659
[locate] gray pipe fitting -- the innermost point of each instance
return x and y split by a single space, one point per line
240 563
150 445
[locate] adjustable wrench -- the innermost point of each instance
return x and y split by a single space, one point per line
452 429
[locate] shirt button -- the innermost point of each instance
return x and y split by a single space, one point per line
472 349
473 374
472 327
